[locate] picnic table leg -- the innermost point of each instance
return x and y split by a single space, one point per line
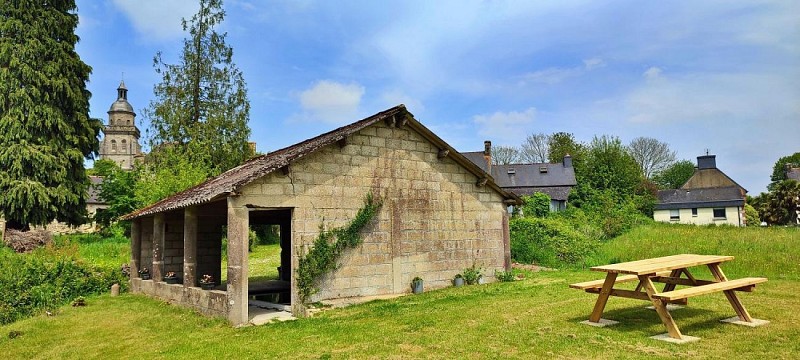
602 298
730 294
674 273
661 308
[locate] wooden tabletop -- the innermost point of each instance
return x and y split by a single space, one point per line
654 265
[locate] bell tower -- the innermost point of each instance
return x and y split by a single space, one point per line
121 136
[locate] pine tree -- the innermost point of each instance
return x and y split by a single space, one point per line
201 104
45 128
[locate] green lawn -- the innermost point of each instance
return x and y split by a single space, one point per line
534 318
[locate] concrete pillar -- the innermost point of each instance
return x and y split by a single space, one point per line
136 246
190 246
158 247
506 242
238 225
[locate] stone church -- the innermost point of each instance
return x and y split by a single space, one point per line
121 136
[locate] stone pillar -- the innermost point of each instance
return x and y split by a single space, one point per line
158 247
136 246
190 246
238 225
506 242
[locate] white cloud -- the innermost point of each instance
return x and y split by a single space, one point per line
556 75
652 73
156 19
331 102
593 63
505 125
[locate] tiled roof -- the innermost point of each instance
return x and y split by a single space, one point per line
703 197
231 180
533 175
478 158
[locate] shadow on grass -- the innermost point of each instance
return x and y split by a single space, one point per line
639 319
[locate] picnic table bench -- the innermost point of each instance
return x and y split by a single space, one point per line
668 270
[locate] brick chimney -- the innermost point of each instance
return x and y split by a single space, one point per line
707 162
487 155
567 161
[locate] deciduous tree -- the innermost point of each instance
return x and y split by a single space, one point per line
504 155
561 144
45 129
675 175
651 155
779 170
535 148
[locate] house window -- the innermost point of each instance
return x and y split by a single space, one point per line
124 146
694 212
114 145
719 213
675 214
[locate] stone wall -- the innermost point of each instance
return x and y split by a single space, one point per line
208 302
434 223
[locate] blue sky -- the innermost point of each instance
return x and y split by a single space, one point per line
716 75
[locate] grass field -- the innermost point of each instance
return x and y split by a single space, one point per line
534 318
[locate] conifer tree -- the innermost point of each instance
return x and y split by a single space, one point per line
45 128
201 104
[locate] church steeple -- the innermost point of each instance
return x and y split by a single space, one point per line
121 136
122 91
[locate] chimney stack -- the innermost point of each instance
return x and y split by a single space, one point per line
567 161
487 155
706 162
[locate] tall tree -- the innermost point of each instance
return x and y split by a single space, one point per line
651 155
609 166
535 148
779 169
201 104
45 128
561 144
782 203
504 155
675 175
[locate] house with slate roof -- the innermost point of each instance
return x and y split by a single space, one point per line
441 213
555 180
708 197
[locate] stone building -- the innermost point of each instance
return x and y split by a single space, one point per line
441 214
121 136
708 197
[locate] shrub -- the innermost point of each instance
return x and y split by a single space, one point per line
548 242
45 279
751 217
536 205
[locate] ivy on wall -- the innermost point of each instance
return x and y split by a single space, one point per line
329 245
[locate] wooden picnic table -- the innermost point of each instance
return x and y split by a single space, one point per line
668 270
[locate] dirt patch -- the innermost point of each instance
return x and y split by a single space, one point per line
26 241
530 267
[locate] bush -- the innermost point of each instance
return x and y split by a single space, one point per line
536 205
45 280
549 242
751 217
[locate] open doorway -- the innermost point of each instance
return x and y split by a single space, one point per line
269 258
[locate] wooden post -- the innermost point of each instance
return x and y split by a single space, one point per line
238 226
602 298
136 246
190 246
730 294
661 308
158 247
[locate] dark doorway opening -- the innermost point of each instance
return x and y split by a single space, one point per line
275 287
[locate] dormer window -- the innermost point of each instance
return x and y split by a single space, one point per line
543 169
511 171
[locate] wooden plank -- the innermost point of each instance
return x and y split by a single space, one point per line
596 284
602 299
638 295
687 282
709 288
661 309
651 266
732 298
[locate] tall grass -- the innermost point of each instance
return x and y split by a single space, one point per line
771 252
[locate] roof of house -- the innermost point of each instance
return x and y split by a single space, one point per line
478 158
793 173
702 197
230 181
526 179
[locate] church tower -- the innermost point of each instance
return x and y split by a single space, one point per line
121 136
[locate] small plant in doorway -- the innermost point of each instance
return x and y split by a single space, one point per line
416 285
505 276
207 282
458 280
144 273
171 278
472 275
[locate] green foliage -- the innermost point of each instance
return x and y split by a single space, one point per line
167 171
781 203
102 167
117 190
779 169
561 144
609 166
46 279
201 103
45 129
536 205
675 175
472 274
751 216
549 242
505 276
329 246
